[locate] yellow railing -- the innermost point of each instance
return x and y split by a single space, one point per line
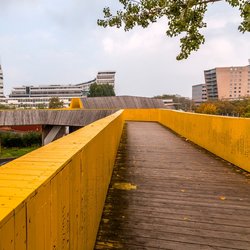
52 198
226 137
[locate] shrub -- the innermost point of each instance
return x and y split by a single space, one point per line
11 139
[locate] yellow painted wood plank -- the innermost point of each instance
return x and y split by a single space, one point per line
17 164
15 192
23 177
75 202
60 220
5 214
20 229
21 183
10 202
38 219
25 172
7 237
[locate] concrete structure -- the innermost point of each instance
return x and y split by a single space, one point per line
1 82
31 96
228 83
199 93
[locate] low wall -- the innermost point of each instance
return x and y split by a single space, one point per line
226 137
52 198
147 115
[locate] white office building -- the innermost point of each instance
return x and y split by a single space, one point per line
1 82
31 96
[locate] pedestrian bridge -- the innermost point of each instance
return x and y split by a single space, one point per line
166 192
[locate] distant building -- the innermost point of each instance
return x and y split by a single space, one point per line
228 83
199 93
1 82
107 77
34 96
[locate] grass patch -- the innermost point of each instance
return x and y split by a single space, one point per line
16 152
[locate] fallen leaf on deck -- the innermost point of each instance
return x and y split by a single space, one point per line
124 186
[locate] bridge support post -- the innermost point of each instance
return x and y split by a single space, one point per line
51 133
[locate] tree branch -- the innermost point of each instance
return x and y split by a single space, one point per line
209 1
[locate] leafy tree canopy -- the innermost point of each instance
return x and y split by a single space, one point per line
185 17
239 108
41 106
101 90
4 106
55 103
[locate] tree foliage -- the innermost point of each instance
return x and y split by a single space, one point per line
101 90
28 139
55 103
41 106
239 108
185 17
5 106
207 108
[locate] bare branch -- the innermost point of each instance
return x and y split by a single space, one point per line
209 1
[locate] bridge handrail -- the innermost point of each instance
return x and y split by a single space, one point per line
54 196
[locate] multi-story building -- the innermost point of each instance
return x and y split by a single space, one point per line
35 96
1 82
228 83
199 93
107 77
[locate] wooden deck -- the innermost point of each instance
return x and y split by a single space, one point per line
167 193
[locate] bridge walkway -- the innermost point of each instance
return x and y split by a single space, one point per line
167 193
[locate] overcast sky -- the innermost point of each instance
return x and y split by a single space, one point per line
59 42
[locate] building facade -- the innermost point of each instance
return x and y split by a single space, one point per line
1 82
228 83
31 96
199 93
107 77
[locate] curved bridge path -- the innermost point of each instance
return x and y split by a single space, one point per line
167 193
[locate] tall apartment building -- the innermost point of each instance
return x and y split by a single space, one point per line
1 82
33 96
199 93
228 83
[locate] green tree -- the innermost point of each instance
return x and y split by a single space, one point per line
207 108
101 90
5 106
55 103
185 17
41 106
225 108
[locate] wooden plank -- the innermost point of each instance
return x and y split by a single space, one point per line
60 225
7 235
39 220
121 102
177 196
20 228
